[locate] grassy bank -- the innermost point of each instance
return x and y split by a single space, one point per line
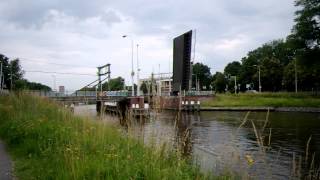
263 99
47 142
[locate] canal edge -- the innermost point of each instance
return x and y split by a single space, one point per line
276 109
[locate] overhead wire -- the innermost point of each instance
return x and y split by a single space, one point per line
57 64
64 73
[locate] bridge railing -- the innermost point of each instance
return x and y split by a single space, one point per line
59 94
199 93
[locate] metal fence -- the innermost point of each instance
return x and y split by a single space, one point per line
58 94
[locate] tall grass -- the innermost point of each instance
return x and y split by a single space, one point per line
48 142
264 99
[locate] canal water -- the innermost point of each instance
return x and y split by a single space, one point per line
278 145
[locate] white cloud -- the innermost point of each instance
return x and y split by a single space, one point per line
230 45
88 33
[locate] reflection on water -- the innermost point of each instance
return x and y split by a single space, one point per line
216 143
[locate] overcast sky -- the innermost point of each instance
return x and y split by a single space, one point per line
84 34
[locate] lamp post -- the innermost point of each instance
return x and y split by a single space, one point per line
1 76
235 84
132 72
259 70
11 83
196 83
54 82
295 76
138 72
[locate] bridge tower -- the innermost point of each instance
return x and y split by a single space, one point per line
103 70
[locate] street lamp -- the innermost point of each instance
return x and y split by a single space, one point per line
132 72
295 76
138 72
228 77
259 77
1 76
235 84
196 83
54 82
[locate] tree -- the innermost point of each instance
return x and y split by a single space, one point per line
278 59
5 70
115 84
16 72
219 82
271 74
144 88
23 84
307 27
201 73
305 39
232 69
12 69
272 57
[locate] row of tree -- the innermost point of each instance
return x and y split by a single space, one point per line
281 62
114 84
12 76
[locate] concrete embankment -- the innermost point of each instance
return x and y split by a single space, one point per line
277 109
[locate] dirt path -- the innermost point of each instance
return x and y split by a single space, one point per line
5 164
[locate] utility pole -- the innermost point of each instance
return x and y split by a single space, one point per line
196 83
54 82
235 84
2 81
132 72
11 77
138 71
259 72
1 76
259 80
295 75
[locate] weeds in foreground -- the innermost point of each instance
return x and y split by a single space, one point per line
48 142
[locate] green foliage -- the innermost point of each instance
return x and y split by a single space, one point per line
202 73
22 84
263 99
271 74
219 82
88 89
48 142
277 58
232 69
272 58
12 69
307 27
115 84
144 88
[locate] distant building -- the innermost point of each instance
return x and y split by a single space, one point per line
164 87
163 83
61 90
